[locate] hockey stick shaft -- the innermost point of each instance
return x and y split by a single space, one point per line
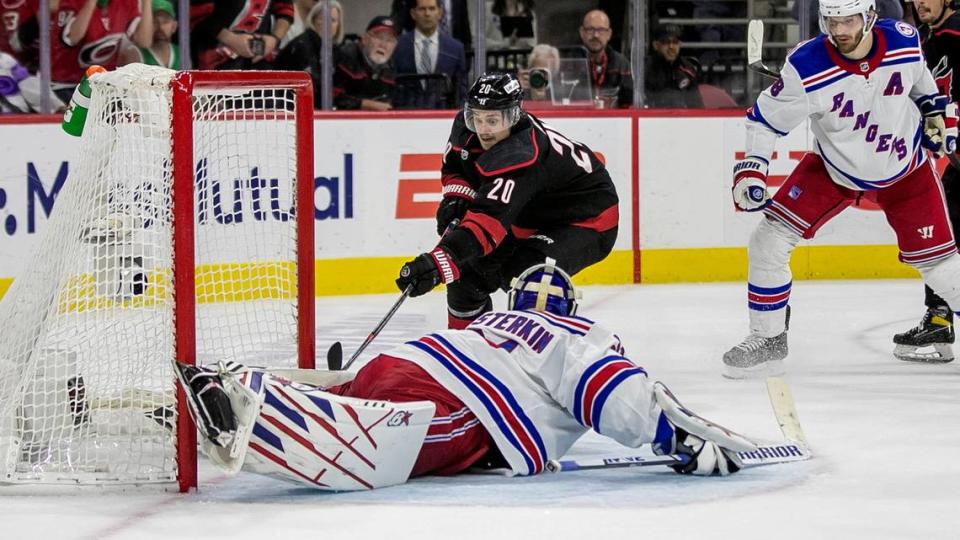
772 454
383 322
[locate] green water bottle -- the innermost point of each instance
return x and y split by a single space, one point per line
76 114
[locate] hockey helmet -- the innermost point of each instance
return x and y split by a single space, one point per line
844 8
544 287
494 92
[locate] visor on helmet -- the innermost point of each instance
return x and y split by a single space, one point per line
510 115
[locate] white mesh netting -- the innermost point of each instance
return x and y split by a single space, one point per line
87 333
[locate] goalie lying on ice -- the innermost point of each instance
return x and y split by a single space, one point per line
514 390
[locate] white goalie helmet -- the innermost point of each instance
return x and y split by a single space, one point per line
844 8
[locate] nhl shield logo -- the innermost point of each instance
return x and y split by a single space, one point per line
864 66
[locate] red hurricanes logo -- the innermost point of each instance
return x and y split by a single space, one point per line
101 51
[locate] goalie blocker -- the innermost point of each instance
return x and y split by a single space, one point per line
514 390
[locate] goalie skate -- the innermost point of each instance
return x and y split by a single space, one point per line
930 341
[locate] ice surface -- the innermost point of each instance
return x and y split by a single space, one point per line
884 433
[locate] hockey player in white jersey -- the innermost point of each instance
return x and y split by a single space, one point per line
513 390
873 108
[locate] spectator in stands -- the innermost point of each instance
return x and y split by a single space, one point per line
455 21
610 70
671 80
301 20
88 32
306 51
14 15
19 90
363 78
886 9
511 24
427 50
544 64
237 34
163 52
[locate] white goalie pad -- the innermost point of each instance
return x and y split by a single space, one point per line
302 434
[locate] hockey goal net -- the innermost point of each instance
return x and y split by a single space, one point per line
186 232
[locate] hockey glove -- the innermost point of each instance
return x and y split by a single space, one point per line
940 132
750 184
427 271
450 209
208 403
706 458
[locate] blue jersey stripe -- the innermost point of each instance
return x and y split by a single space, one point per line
607 390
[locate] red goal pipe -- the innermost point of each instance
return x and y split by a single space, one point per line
184 285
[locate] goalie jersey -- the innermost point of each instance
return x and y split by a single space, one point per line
866 115
538 381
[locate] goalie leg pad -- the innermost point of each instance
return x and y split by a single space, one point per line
331 442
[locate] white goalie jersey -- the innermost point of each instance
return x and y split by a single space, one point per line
538 381
866 115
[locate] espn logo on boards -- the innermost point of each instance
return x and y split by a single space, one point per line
418 186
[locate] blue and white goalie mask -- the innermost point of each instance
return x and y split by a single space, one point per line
544 287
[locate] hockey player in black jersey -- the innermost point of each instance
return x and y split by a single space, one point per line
932 339
522 192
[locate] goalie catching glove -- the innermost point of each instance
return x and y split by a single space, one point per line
750 184
940 131
427 271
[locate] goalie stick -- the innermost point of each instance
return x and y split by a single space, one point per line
793 448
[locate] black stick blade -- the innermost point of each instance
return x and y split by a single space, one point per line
335 357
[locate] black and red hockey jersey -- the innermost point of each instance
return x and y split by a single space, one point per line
941 46
535 180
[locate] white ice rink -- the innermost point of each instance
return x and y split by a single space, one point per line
885 436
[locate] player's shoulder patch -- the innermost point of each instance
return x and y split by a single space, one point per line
905 29
517 152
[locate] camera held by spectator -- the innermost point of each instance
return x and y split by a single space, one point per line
542 66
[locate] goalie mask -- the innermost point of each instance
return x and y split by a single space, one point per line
846 8
494 92
544 287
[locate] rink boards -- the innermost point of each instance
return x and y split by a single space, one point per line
377 184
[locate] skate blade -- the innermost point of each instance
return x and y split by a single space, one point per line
770 368
935 353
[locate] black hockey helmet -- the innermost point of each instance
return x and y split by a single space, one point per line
544 287
494 91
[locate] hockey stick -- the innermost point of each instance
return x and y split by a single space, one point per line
335 353
794 448
766 454
755 50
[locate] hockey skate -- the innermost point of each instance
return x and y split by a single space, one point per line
930 341
757 356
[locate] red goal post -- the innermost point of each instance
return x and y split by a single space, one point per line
184 85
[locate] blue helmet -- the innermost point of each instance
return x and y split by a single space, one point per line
544 287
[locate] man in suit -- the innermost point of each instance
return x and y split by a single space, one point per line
455 20
426 50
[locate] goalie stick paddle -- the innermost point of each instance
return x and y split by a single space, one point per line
755 49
